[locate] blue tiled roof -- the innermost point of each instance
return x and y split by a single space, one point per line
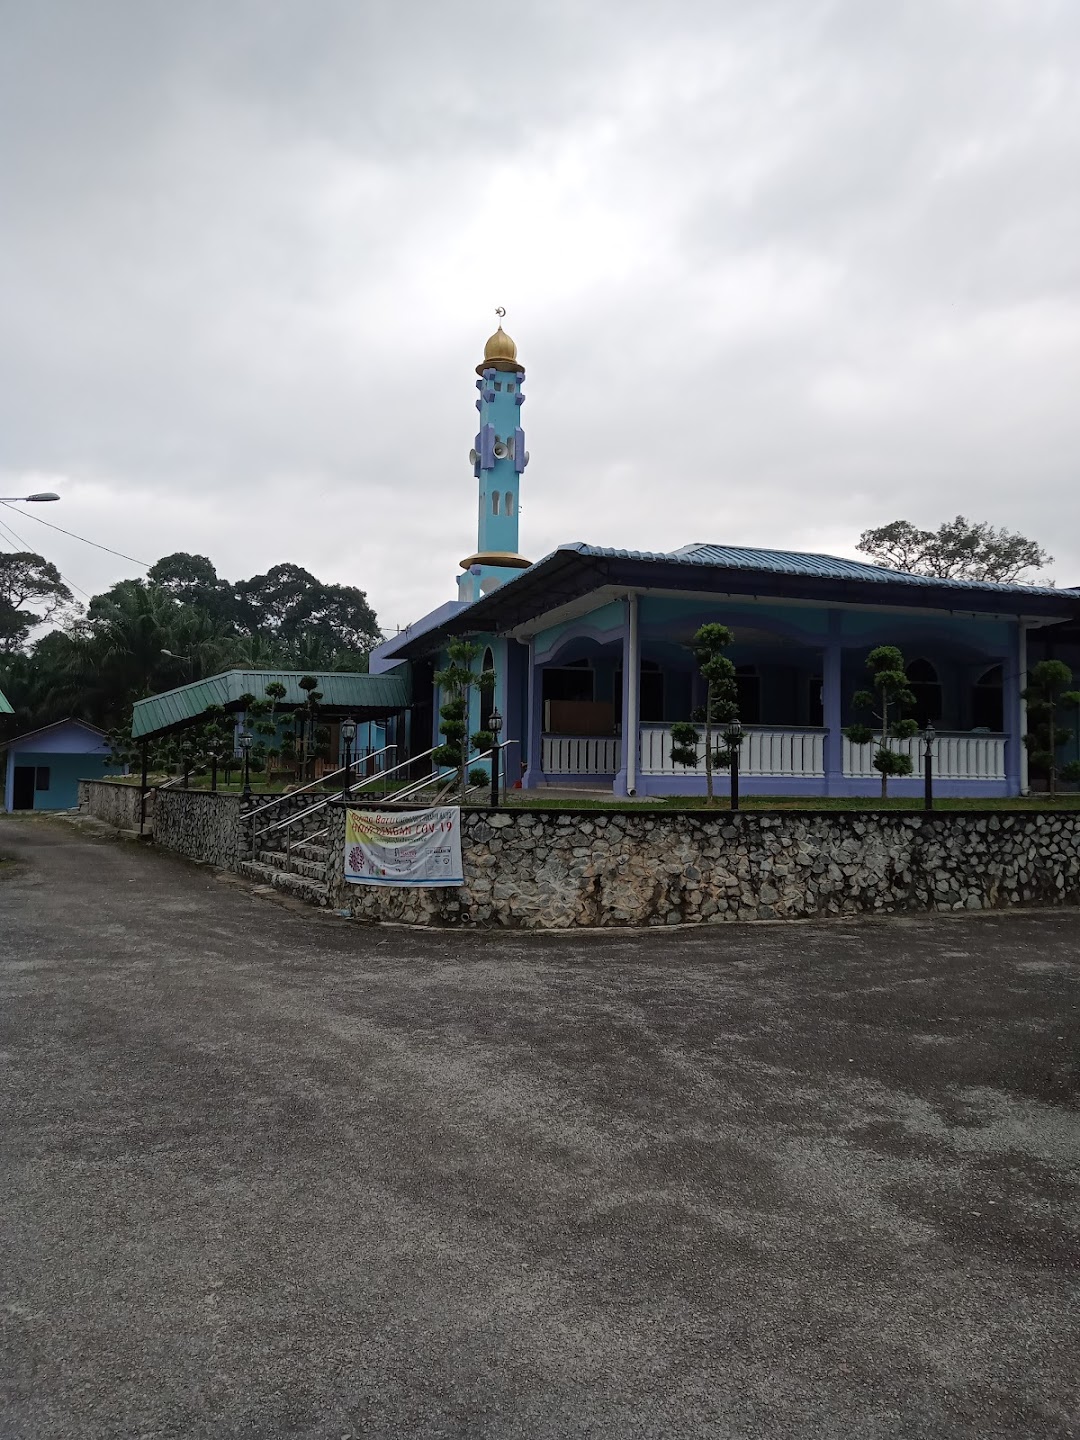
799 562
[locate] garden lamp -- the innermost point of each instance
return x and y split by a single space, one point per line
495 724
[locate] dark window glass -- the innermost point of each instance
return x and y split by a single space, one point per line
748 686
924 685
987 701
41 781
568 683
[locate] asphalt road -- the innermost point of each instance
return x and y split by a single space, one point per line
267 1173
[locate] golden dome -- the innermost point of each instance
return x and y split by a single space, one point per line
500 353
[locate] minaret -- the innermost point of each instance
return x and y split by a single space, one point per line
498 459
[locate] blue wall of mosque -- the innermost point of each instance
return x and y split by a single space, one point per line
500 453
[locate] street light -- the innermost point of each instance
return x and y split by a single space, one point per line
246 742
733 737
189 660
187 752
929 736
495 724
348 735
21 499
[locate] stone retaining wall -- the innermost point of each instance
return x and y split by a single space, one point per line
552 870
201 825
114 803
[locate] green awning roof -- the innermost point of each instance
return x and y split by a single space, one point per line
365 697
5 705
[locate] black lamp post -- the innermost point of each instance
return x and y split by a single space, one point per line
186 752
733 737
929 736
246 742
495 724
348 735
213 769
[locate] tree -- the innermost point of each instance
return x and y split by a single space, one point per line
26 580
889 689
456 682
308 718
959 549
1045 692
193 580
721 703
291 604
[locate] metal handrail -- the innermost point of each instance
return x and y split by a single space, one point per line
302 789
337 795
307 839
435 774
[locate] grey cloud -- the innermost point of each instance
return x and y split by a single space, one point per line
779 272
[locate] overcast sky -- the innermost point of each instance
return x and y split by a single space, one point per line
778 272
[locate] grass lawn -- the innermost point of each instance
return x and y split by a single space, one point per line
536 800
789 802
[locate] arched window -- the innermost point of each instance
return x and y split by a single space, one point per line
508 503
924 684
488 662
494 502
987 701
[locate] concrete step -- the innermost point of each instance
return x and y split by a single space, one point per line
277 860
312 850
301 887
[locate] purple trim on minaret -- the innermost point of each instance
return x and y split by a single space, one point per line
519 398
519 450
832 702
487 447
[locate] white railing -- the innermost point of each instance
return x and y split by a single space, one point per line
764 752
579 754
955 757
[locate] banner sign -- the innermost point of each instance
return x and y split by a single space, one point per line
418 847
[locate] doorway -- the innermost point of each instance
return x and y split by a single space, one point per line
22 792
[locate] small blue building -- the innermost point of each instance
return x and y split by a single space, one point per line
43 767
590 650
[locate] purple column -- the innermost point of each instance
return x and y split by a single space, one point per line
832 702
534 774
1014 712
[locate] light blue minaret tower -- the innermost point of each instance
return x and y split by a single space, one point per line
498 458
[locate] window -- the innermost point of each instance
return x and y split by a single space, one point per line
924 685
987 701
494 502
488 662
509 387
41 778
498 384
508 503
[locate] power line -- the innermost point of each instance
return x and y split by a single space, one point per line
144 563
12 538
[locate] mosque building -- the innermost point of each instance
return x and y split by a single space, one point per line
590 649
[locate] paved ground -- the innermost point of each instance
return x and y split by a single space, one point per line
270 1174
